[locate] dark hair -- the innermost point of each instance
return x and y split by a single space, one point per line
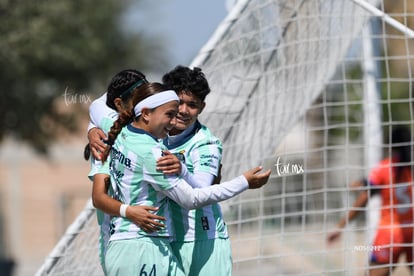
185 80
401 137
138 94
122 85
401 147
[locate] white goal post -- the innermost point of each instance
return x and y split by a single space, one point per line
310 89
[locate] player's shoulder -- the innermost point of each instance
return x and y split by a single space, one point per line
206 132
139 149
384 164
204 137
380 173
99 106
138 137
100 101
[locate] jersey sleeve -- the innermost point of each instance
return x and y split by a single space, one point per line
97 167
99 112
190 198
199 179
176 188
206 156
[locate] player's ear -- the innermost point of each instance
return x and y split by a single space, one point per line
145 114
203 104
118 104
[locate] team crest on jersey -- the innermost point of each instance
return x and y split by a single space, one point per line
180 155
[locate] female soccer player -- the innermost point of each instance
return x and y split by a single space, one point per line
117 98
392 179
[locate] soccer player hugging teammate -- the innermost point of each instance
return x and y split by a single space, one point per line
137 180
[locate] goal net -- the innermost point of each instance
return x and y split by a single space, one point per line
310 89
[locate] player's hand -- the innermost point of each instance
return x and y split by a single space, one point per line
143 217
255 179
169 163
96 144
333 236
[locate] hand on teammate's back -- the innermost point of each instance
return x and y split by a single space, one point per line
169 163
143 217
255 178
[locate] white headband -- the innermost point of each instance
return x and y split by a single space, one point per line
156 100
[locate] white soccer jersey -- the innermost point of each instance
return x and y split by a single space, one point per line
201 152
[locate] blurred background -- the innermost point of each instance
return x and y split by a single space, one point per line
56 57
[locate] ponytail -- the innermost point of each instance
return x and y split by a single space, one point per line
124 118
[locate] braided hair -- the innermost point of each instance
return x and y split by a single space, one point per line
122 85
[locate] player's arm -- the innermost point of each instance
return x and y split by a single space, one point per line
192 198
188 197
169 164
98 111
360 201
96 137
206 158
140 215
